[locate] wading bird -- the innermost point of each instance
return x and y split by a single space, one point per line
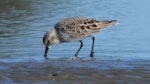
75 29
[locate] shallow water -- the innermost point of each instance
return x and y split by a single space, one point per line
121 52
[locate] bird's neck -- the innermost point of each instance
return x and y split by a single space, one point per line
56 38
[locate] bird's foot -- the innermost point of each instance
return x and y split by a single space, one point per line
45 56
75 58
92 55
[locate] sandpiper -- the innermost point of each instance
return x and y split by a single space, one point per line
75 29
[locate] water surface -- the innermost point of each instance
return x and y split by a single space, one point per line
125 46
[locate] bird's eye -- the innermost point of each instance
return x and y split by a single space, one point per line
48 42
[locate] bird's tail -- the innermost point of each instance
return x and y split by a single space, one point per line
107 23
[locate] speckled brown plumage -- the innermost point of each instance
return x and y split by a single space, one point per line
80 27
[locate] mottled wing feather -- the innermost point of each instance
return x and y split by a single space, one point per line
76 27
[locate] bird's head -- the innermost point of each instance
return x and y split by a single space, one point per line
49 39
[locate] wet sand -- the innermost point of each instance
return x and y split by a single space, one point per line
83 71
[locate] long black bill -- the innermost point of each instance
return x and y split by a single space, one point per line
46 51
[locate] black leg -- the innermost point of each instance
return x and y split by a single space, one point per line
79 48
92 49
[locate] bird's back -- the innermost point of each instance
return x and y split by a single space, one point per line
78 28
